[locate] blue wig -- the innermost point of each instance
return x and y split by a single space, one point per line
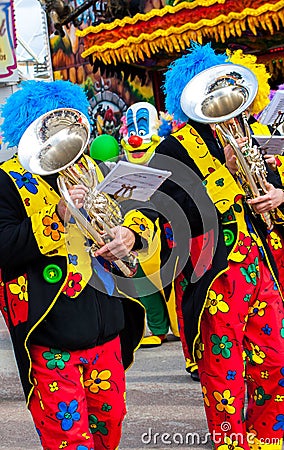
182 70
35 98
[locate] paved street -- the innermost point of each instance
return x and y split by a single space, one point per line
161 399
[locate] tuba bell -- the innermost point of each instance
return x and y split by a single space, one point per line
219 95
55 143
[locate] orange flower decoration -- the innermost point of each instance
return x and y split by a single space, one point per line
98 381
53 227
225 401
204 394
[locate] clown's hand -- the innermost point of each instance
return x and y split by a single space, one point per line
271 161
269 201
77 194
120 246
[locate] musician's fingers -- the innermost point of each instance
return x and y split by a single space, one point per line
269 201
79 202
269 186
231 160
258 200
109 256
78 194
120 245
264 201
102 251
62 211
105 253
259 209
119 251
242 141
78 190
112 255
274 196
271 161
81 187
123 241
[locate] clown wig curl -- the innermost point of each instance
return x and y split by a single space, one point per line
182 70
249 61
35 98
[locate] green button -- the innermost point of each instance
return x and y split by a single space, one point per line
229 237
52 273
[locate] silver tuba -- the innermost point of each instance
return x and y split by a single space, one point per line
55 142
218 95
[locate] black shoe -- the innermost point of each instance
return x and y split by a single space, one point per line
194 375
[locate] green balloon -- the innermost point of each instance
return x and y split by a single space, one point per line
104 148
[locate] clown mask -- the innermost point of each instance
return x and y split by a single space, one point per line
142 133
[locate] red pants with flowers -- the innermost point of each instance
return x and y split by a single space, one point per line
79 398
240 354
276 244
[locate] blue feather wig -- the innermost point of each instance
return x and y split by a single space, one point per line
35 98
182 70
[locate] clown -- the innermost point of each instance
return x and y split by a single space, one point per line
42 274
225 340
143 130
142 133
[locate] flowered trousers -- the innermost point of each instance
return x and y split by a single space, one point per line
78 402
240 356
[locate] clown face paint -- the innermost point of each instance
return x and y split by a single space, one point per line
142 133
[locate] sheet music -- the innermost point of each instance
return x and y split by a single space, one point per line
135 181
270 113
272 145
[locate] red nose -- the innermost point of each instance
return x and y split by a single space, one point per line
135 141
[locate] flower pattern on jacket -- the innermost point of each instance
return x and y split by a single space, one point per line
140 226
20 288
25 180
53 227
230 444
73 284
281 381
260 396
244 244
275 240
169 235
17 299
252 272
279 425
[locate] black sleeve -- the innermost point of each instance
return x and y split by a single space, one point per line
18 245
273 177
182 199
